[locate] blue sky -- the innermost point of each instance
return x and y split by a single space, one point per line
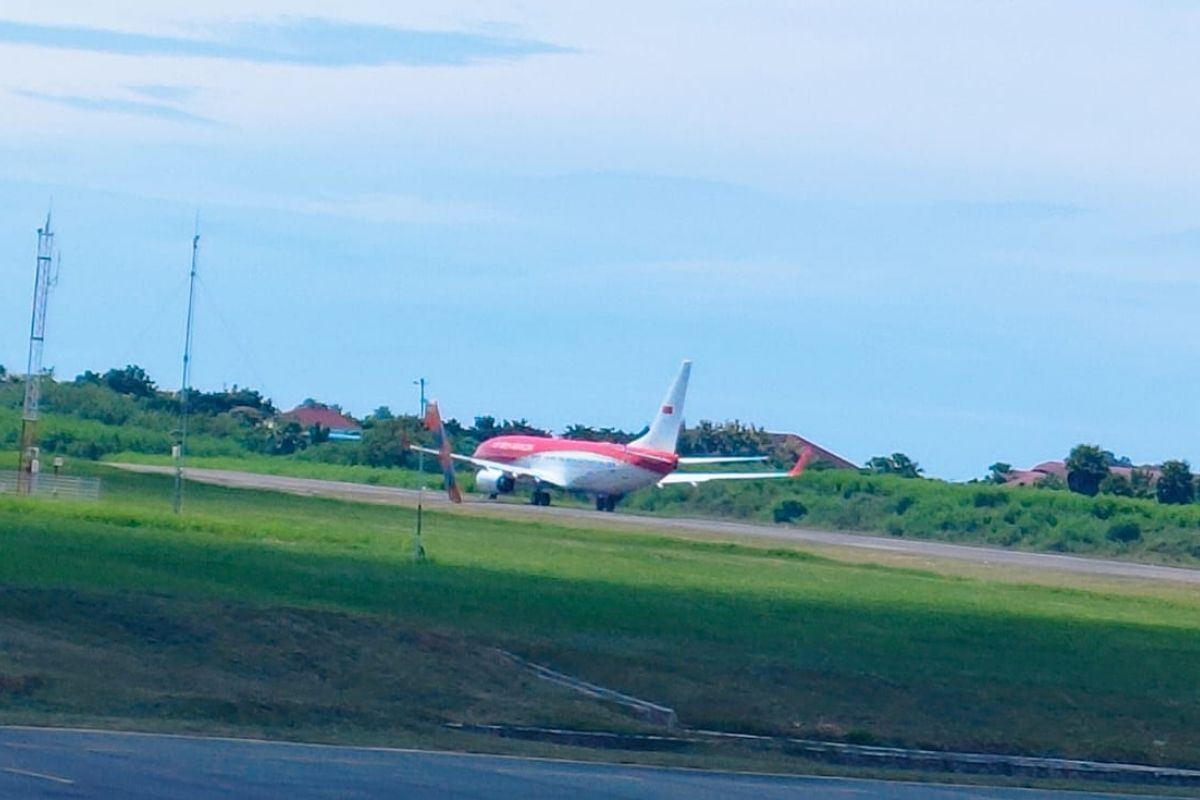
966 231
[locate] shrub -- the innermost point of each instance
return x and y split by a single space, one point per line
1124 532
990 499
789 510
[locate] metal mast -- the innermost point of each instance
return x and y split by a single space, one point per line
186 383
43 280
418 545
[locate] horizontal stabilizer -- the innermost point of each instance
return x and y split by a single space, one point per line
697 478
685 460
507 469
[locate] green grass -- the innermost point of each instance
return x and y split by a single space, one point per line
738 638
1029 519
1023 518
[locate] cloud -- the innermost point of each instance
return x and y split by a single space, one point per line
296 40
112 105
165 92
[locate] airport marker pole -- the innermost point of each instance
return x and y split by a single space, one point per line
418 546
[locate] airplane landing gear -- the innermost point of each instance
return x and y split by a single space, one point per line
606 502
540 497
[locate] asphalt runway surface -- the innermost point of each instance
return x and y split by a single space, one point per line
716 528
50 763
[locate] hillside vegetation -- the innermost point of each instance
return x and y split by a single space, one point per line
978 513
121 415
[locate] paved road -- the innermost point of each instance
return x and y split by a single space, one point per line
927 549
45 763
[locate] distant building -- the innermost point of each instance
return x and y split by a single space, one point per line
797 443
1058 469
340 427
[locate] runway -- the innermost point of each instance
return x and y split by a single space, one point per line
50 763
715 528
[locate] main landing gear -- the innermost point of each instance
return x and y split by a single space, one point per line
606 502
540 497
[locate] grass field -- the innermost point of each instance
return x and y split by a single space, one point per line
267 614
1027 519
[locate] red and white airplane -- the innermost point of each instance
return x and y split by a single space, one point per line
605 470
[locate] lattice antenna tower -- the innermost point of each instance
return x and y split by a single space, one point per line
44 279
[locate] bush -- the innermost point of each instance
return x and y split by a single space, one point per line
789 511
990 499
1124 532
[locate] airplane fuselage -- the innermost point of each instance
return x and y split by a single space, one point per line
598 468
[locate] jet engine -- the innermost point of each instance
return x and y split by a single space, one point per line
493 482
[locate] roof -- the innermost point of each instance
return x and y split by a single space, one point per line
324 416
798 443
1027 477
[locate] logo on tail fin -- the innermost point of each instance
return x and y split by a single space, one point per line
433 422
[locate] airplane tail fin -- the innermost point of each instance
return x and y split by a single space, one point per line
806 456
664 430
433 421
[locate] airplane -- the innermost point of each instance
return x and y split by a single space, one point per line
605 470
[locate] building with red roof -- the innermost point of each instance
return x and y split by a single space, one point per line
340 426
796 444
1058 469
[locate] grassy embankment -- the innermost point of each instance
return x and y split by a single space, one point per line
293 467
1030 519
265 614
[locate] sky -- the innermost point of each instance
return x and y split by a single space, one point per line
966 231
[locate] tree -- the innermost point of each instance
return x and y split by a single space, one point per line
730 438
1116 484
1176 484
288 438
511 427
895 464
1087 466
583 433
382 414
1050 482
131 380
999 472
1142 483
317 433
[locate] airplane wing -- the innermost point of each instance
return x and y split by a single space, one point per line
719 459
483 463
697 478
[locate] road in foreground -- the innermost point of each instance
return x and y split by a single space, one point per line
48 763
913 547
